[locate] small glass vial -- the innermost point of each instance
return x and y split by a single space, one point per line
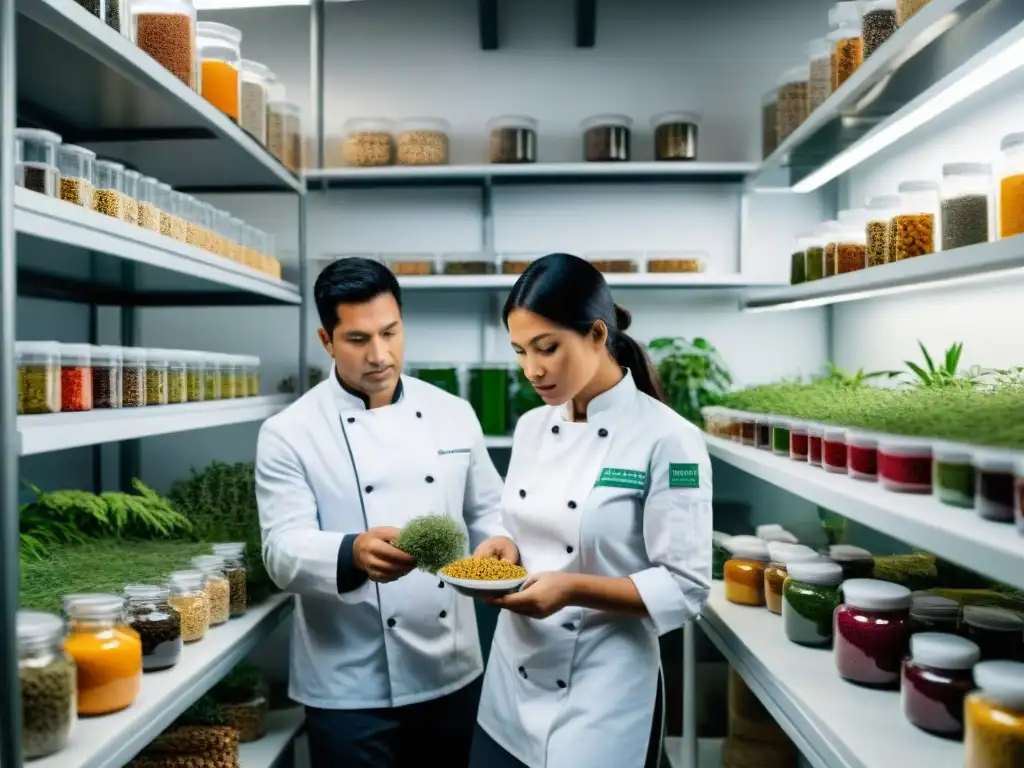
149 213
156 377
998 632
936 681
810 595
133 377
862 455
75 377
994 716
106 377
188 598
39 383
77 167
36 161
966 212
856 562
934 613
744 571
916 228
233 555
879 212
218 590
905 464
130 183
994 485
158 624
47 676
834 453
953 474
220 56
872 632
177 378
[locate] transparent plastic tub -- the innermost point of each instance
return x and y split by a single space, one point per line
36 161
107 366
468 264
879 211
149 213
39 387
133 377
130 182
422 141
76 377
967 204
675 135
615 261
166 30
219 49
253 107
369 142
513 139
109 198
915 229
77 166
606 138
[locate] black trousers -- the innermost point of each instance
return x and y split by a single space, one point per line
438 731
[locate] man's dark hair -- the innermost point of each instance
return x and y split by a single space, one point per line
351 281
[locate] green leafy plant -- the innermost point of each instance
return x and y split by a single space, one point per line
241 685
841 378
315 375
945 375
692 374
434 541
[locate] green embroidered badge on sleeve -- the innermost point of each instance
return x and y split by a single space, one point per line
683 476
635 479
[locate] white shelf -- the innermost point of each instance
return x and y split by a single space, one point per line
709 752
993 549
113 740
835 724
498 441
88 233
57 431
282 727
533 173
986 261
691 280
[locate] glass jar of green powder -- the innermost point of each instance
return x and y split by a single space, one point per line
488 394
813 249
211 376
444 377
780 437
798 268
810 596
953 474
194 369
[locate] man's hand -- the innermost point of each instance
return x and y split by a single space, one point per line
541 596
374 554
500 548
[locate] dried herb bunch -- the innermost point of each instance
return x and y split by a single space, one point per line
433 541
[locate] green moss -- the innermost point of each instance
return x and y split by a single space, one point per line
434 541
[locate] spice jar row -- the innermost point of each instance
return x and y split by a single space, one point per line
652 262
46 165
55 377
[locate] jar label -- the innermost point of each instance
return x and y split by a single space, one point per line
635 479
683 476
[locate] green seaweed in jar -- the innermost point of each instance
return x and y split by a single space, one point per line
810 596
48 684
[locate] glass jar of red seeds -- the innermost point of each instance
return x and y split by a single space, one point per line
936 680
905 464
862 455
833 450
748 428
798 447
763 433
872 632
994 484
75 377
997 631
815 433
856 562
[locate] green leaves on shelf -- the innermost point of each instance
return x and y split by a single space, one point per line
241 685
945 375
692 374
433 541
840 378
206 711
288 385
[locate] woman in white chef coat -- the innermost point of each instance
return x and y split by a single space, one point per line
608 497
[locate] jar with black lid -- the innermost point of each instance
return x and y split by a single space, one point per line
158 624
513 139
675 136
606 138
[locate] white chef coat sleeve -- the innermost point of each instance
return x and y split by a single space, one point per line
677 532
299 556
481 507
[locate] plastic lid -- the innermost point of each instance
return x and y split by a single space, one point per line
512 121
145 592
800 427
189 578
38 626
783 552
74 149
216 29
918 186
943 651
81 352
775 533
1011 140
996 461
135 354
781 423
368 125
93 605
952 453
848 552
230 547
208 562
110 165
106 354
425 124
996 619
876 202
718 538
256 68
794 75
674 117
816 429
928 606
594 121
861 439
875 595
905 446
1002 681
37 134
37 348
748 548
833 433
815 572
967 169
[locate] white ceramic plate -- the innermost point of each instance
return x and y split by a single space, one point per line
480 588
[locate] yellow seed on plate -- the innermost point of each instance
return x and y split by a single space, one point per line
483 569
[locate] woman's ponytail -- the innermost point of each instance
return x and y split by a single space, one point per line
630 354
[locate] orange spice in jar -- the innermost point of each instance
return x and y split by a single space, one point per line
1011 186
744 571
849 56
220 56
994 716
780 554
107 653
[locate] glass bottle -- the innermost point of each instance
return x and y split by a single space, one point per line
744 571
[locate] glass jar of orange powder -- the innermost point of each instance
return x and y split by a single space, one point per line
220 56
744 571
107 653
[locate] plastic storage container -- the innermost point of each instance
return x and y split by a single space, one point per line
780 437
488 394
106 377
422 141
35 154
856 562
39 377
862 455
606 138
819 81
849 45
177 378
872 632
879 212
878 23
211 376
233 555
252 375
936 681
614 261
189 599
158 624
369 142
781 556
834 453
966 208
47 677
830 233
851 242
75 377
953 474
130 187
913 229
219 48
675 135
252 114
1011 186
934 613
216 586
799 441
994 716
468 264
813 246
994 485
810 595
763 433
769 122
905 464
793 106
156 377
815 444
744 571
109 198
195 368
107 653
149 213
998 632
166 30
513 139
276 119
905 9
133 377
77 166
171 224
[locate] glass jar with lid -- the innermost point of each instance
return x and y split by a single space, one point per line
252 375
47 677
113 12
195 364
219 48
810 595
206 220
849 45
915 229
106 377
994 716
233 555
780 555
39 389
422 141
934 613
851 242
997 631
966 208
905 464
236 250
780 437
149 214
513 139
166 30
133 377
211 376
1011 186
75 377
879 212
872 631
675 135
856 562
157 623
819 81
994 485
862 455
171 223
369 142
218 590
812 246
231 377
107 653
196 232
108 197
835 455
77 171
277 115
130 213
936 681
156 377
815 443
793 106
253 111
606 138
744 571
188 598
878 23
36 167
177 378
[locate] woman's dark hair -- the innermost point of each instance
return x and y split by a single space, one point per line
571 292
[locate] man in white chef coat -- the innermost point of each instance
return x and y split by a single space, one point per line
385 657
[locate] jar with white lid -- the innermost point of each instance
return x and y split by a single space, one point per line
133 377
879 211
1011 186
856 562
744 571
106 376
107 652
878 23
794 104
77 172
513 139
284 133
819 81
47 681
219 50
75 377
862 455
966 209
166 30
215 584
915 229
233 555
905 464
849 45
999 632
188 597
177 378
108 198
815 437
130 187
158 624
156 377
780 437
780 555
834 452
422 141
953 474
994 716
872 631
936 680
994 485
38 376
851 241
254 87
369 142
36 167
606 138
675 135
211 376
810 595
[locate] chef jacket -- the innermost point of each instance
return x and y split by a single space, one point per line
625 494
329 468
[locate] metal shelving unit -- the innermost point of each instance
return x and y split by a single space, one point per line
63 69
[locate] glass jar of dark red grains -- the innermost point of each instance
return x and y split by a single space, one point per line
798 441
872 632
833 450
936 680
905 464
814 444
994 485
862 455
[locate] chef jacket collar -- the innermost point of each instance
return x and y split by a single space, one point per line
618 395
347 398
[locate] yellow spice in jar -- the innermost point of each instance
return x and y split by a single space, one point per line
483 569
